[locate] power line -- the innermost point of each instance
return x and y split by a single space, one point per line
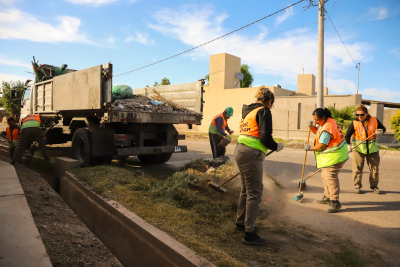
213 39
341 38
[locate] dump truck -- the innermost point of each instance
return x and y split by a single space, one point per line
83 100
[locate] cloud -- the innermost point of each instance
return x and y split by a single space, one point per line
288 13
395 52
382 94
110 40
13 62
129 39
143 38
11 77
282 56
15 24
96 3
380 13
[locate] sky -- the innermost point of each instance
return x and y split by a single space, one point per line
134 33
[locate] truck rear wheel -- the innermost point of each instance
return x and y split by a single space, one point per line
81 147
155 158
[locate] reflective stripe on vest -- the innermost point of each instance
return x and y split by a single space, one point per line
12 136
360 134
336 150
31 121
249 131
213 125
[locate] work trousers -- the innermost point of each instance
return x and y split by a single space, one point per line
330 178
11 147
25 139
217 151
373 161
249 161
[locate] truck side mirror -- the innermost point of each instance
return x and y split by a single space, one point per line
13 93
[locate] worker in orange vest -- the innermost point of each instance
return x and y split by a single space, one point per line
12 133
216 132
330 151
30 130
365 126
253 143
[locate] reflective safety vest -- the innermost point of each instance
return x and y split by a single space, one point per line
213 126
30 121
361 132
249 131
336 151
12 136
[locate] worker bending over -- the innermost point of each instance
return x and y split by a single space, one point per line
12 132
330 150
363 127
254 141
217 133
30 130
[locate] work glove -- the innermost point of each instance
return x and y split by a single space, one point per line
231 132
279 147
349 149
307 147
379 131
310 123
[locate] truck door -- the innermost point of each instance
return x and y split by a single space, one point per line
26 103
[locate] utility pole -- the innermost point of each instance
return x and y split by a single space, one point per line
358 78
326 80
320 74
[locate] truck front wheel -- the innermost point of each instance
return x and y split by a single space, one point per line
81 147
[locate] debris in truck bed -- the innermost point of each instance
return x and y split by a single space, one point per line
140 103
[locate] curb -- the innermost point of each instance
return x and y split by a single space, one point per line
131 239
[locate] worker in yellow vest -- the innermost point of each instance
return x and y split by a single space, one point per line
12 133
217 133
30 130
331 153
254 141
363 127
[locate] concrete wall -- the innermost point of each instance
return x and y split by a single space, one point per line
223 69
388 113
306 84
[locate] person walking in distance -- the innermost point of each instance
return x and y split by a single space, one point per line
254 141
331 153
30 130
12 133
216 132
364 126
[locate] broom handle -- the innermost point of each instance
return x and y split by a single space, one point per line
363 141
269 153
312 174
305 158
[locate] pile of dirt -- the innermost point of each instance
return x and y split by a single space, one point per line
140 103
295 144
67 240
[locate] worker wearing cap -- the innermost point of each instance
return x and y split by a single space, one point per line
363 127
254 141
30 130
12 132
216 132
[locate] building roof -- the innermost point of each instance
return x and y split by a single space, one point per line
385 104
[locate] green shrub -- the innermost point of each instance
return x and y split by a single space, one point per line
395 123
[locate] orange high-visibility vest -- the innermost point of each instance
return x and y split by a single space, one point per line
249 125
12 136
32 117
213 125
359 129
336 150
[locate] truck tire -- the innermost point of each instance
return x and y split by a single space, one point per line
166 157
151 159
81 142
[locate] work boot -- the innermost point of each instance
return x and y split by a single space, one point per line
357 190
324 200
241 227
252 239
334 206
376 190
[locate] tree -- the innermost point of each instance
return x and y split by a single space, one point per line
248 78
207 78
165 81
395 123
12 105
156 84
343 116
